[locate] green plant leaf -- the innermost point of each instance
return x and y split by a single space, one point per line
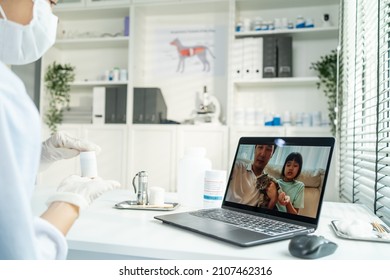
326 68
57 84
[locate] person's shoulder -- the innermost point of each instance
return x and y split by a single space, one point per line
240 163
299 184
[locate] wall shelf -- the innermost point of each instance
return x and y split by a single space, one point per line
301 81
300 32
87 43
97 83
65 12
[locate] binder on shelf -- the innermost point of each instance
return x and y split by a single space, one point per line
98 105
109 105
284 46
126 28
269 57
248 58
121 104
116 99
258 58
149 106
110 98
237 59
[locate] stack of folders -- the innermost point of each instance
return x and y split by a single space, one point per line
248 58
262 57
109 104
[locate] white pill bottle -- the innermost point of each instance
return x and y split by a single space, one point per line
190 176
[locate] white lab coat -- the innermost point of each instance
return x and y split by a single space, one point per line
22 236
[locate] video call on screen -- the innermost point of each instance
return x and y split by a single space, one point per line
314 160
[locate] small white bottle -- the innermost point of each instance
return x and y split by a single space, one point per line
190 176
214 188
115 74
88 164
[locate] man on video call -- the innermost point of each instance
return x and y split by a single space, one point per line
249 184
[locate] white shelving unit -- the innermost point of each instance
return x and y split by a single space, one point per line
91 38
151 62
280 95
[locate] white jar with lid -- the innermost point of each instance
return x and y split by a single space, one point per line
190 176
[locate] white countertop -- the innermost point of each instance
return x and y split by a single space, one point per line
103 232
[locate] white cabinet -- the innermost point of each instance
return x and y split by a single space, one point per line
213 138
111 160
153 149
158 149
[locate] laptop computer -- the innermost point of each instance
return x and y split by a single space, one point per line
264 199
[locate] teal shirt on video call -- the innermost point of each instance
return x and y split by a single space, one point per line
295 190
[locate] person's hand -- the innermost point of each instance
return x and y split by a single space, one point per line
272 191
82 191
62 146
283 199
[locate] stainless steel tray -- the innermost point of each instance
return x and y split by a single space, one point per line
132 205
376 236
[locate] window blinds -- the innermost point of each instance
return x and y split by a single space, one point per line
365 115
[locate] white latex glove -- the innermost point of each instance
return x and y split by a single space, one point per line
82 191
62 146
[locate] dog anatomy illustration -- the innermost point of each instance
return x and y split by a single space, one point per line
185 52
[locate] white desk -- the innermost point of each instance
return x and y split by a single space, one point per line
103 232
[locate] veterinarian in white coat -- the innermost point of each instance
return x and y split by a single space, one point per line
27 30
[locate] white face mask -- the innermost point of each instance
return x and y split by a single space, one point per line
23 44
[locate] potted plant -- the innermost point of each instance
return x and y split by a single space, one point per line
326 69
57 83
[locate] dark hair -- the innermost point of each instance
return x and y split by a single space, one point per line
273 145
297 157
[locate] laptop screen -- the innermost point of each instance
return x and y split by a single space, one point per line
280 176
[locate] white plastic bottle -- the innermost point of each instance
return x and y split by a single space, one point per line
190 176
88 164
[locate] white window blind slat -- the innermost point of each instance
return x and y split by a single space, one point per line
364 134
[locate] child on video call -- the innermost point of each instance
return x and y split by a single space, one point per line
290 186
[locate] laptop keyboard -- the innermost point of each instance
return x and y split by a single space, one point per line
249 222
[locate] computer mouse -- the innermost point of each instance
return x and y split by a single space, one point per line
311 246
